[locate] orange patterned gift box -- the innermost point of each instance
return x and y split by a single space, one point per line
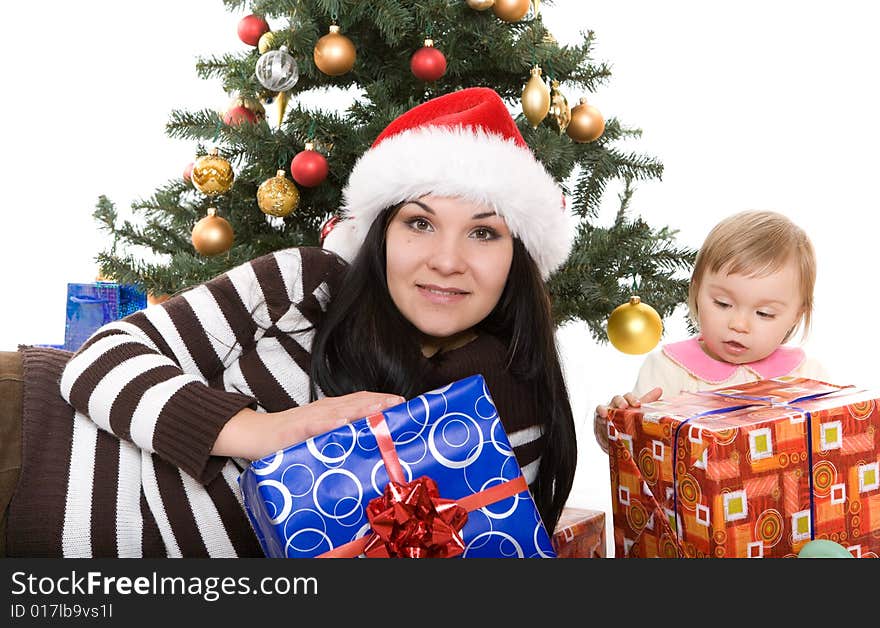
580 533
747 472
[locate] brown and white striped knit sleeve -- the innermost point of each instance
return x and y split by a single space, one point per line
156 377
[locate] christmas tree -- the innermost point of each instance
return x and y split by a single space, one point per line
275 180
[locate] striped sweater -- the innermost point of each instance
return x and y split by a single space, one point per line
120 464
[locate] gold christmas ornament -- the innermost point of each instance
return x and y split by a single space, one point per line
211 174
480 5
277 196
559 109
334 53
587 123
535 98
281 100
511 10
634 327
266 42
213 234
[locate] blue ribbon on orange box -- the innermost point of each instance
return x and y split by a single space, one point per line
771 401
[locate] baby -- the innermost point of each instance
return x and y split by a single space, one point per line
750 291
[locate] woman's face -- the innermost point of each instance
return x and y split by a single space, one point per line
447 262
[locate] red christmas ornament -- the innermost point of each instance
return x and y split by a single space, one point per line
187 172
238 114
428 63
309 168
251 28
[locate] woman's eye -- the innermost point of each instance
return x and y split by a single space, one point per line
721 304
484 233
419 224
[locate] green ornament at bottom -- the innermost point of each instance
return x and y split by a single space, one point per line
823 548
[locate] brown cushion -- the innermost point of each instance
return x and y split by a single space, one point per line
10 433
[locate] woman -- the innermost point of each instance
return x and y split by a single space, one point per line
451 229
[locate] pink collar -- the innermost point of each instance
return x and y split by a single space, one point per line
690 356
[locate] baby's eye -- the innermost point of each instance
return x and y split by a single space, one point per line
767 315
721 304
484 233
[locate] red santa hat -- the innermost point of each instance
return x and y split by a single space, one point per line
462 144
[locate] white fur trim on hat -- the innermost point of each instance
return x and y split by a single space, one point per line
459 161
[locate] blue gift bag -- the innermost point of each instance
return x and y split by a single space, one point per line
92 305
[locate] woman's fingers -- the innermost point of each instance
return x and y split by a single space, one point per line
354 406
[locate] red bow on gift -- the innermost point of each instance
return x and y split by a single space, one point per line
411 520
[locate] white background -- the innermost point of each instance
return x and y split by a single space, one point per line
752 105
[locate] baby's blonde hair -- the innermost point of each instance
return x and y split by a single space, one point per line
756 244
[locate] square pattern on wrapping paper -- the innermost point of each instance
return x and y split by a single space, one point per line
755 549
761 443
703 515
831 435
658 449
800 525
869 477
736 506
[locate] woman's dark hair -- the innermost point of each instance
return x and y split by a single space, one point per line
365 343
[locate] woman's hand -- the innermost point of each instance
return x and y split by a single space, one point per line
252 435
600 418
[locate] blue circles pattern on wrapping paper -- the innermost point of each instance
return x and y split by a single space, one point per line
314 495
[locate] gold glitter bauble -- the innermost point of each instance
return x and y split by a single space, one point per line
559 109
334 53
213 234
634 327
536 98
211 174
587 123
511 10
480 5
277 196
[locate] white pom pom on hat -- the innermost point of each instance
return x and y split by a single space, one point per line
462 144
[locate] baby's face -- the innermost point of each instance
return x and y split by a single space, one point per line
745 318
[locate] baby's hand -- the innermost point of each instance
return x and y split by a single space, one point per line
600 418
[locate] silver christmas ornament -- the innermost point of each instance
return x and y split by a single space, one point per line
277 70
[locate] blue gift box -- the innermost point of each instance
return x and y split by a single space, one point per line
92 305
311 498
